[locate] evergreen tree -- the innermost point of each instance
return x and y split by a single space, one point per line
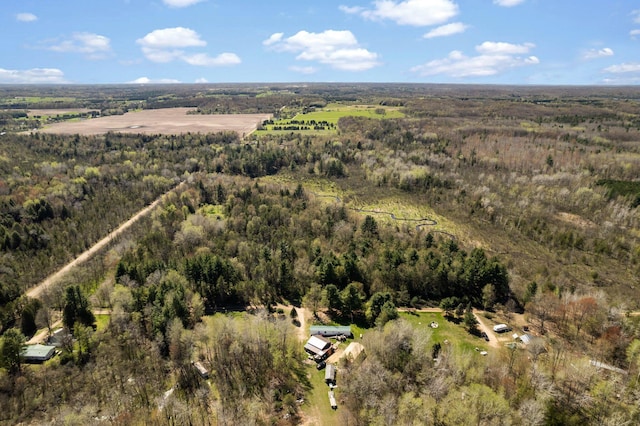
11 346
76 309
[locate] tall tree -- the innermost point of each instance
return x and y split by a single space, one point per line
313 298
351 299
332 298
76 308
11 346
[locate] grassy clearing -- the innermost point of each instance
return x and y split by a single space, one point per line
35 100
455 334
316 407
333 112
325 120
212 210
102 321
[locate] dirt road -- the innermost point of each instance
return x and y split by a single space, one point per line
37 291
493 339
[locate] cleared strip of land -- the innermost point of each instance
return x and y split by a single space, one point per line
37 291
160 121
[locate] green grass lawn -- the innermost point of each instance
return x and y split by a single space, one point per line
446 330
316 406
102 321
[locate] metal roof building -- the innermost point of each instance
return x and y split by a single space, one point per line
330 374
331 330
37 353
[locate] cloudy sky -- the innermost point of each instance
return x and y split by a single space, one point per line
413 41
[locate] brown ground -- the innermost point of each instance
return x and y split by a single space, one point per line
163 121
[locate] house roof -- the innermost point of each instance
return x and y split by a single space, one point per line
38 352
331 330
330 372
319 342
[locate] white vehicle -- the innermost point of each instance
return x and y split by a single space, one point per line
501 328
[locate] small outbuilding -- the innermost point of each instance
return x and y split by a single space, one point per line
318 346
202 371
35 354
58 337
330 374
331 331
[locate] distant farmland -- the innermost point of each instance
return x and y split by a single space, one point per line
326 119
160 121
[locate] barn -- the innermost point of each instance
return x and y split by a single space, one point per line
318 346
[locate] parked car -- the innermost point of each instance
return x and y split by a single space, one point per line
484 336
321 365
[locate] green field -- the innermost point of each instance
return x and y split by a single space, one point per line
34 100
326 119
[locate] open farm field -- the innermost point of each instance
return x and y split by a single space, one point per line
326 119
52 112
161 121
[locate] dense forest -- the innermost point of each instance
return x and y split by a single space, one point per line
506 200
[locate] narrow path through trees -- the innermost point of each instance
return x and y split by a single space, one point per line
37 291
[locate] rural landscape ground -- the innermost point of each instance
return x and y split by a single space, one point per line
173 225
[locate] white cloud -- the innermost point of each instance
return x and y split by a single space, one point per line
180 3
201 80
508 3
636 16
502 48
447 30
274 38
417 13
147 80
624 68
494 58
26 17
303 70
95 46
204 60
337 49
597 53
32 76
352 10
634 33
171 38
168 45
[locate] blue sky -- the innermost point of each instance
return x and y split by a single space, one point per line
584 42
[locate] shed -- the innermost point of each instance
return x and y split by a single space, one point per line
318 346
331 331
330 374
58 337
202 371
37 353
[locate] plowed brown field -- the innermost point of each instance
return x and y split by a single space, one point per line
160 121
